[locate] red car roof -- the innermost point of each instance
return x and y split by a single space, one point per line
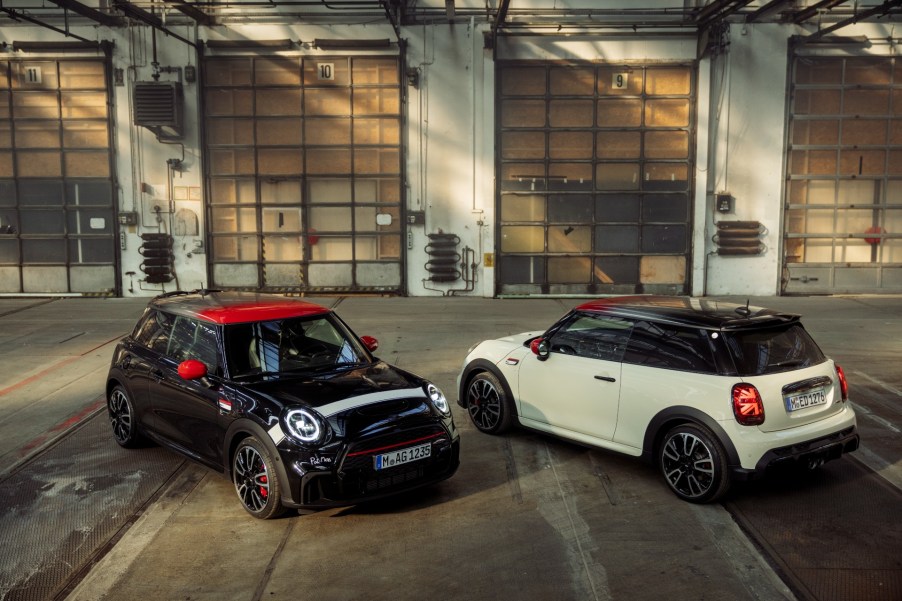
235 307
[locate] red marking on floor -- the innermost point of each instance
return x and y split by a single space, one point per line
61 427
38 375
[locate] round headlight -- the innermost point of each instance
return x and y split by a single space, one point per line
438 399
305 426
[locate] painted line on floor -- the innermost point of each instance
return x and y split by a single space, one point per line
882 385
61 427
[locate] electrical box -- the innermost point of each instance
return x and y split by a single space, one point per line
128 218
416 218
724 202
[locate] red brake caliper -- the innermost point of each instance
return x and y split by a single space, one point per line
263 491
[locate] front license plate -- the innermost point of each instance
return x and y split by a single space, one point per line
807 399
401 456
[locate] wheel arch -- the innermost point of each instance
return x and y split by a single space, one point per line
244 428
473 369
672 417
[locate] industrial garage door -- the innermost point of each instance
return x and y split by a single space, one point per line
304 173
594 178
57 231
843 225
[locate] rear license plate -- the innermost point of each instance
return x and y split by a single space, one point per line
401 456
807 399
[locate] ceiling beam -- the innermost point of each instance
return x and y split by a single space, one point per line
19 16
139 14
773 4
90 13
501 16
190 10
806 13
867 14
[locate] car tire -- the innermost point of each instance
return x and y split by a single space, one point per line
694 464
489 406
121 411
256 481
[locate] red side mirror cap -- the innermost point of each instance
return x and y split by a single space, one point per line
370 343
192 369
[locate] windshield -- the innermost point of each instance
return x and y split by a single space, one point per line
290 345
772 350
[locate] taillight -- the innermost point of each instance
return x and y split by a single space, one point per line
843 385
747 405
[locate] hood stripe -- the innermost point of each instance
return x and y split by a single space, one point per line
368 399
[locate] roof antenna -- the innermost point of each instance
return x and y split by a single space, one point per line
744 311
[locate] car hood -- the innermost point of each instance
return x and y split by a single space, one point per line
339 391
499 348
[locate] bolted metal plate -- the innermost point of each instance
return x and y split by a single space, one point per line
818 529
63 506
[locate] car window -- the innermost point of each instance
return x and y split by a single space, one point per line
193 339
772 350
670 347
592 337
153 331
289 345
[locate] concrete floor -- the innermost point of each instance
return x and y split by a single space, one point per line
526 516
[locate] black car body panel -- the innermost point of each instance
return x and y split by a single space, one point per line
365 407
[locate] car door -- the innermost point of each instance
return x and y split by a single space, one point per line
577 388
142 355
186 412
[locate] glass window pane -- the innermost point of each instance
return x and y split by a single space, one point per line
328 132
523 81
281 220
569 145
862 162
85 134
327 102
667 145
517 207
280 192
569 270
231 191
279 161
90 221
619 145
665 207
570 113
570 176
228 162
87 164
49 74
227 72
522 238
382 71
377 131
91 250
280 132
277 72
235 248
569 239
811 70
523 113
6 136
815 132
9 251
330 219
664 239
666 176
37 134
813 162
35 105
88 193
9 222
866 102
330 191
573 208
668 81
227 103
230 132
376 101
517 269
620 113
39 164
282 248
278 101
41 193
617 270
329 160
332 248
616 238
816 102
572 81
43 251
232 220
523 145
617 208
377 160
83 105
667 113
617 176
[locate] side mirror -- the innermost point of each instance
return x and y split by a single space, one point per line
539 348
370 343
192 369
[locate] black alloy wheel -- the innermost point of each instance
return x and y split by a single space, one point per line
694 464
123 420
256 482
487 403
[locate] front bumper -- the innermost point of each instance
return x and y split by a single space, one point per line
355 480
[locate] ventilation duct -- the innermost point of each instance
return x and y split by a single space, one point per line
158 107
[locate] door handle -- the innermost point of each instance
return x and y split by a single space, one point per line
126 362
158 374
605 378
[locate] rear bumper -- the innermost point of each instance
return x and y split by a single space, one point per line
809 453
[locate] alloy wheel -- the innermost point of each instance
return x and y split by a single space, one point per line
484 404
120 416
251 479
688 465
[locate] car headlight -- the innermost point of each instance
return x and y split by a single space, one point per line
438 398
305 426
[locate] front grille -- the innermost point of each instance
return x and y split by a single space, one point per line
395 476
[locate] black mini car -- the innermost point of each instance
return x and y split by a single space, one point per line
280 396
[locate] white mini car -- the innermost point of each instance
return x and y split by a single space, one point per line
709 391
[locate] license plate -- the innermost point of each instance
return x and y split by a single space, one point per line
401 456
807 399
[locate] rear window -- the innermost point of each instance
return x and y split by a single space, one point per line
773 350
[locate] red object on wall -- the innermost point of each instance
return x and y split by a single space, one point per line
874 230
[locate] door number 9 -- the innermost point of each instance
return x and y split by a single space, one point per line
619 81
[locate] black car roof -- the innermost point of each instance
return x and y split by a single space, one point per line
689 311
220 307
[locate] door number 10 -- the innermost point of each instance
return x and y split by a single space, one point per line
326 71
